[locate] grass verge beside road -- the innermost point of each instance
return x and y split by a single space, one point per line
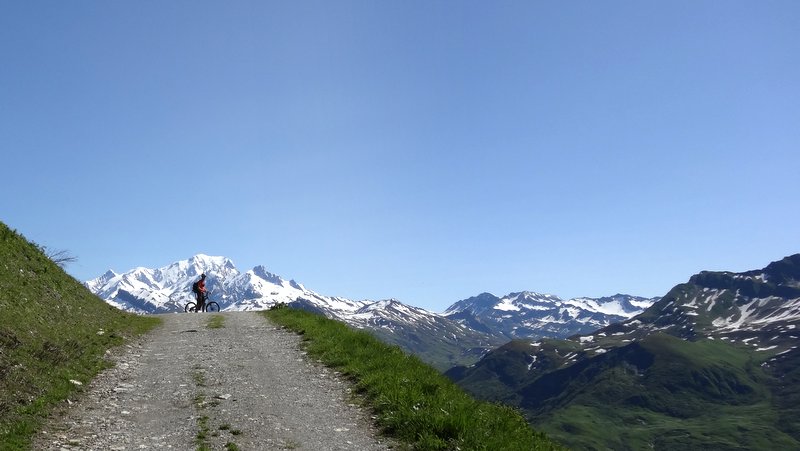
53 337
412 401
216 322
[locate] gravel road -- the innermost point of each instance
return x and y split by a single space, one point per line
246 385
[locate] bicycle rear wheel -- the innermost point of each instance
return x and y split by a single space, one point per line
212 306
190 307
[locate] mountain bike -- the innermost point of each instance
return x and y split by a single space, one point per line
207 306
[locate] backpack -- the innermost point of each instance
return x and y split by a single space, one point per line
195 288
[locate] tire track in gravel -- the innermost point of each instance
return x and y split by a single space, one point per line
247 385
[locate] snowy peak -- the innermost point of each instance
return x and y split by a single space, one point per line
172 278
475 305
621 305
527 300
147 290
194 267
386 304
433 337
94 284
396 310
531 296
261 272
722 340
760 309
168 289
714 303
532 315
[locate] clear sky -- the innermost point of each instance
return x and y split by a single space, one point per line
422 150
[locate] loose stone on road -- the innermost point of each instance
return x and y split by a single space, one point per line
185 386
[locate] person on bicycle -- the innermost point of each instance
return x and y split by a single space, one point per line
199 289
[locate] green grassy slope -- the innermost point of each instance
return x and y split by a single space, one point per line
411 400
659 393
682 375
53 336
438 341
437 350
664 393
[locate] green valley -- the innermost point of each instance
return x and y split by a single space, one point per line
707 367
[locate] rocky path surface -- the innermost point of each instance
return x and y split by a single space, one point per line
246 385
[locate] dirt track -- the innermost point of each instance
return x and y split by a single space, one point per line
186 385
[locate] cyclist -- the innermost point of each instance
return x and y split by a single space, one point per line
199 289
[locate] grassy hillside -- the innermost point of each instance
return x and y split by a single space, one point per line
53 336
439 350
664 393
660 393
436 340
713 365
411 400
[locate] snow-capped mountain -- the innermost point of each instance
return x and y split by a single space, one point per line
534 315
168 289
719 346
440 341
759 308
467 330
755 311
428 334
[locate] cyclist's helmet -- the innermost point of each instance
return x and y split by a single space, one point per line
202 276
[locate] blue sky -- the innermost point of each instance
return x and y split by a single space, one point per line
422 150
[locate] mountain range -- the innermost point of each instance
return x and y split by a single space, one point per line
534 315
462 334
714 364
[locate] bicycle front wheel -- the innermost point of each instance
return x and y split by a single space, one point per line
212 307
190 307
